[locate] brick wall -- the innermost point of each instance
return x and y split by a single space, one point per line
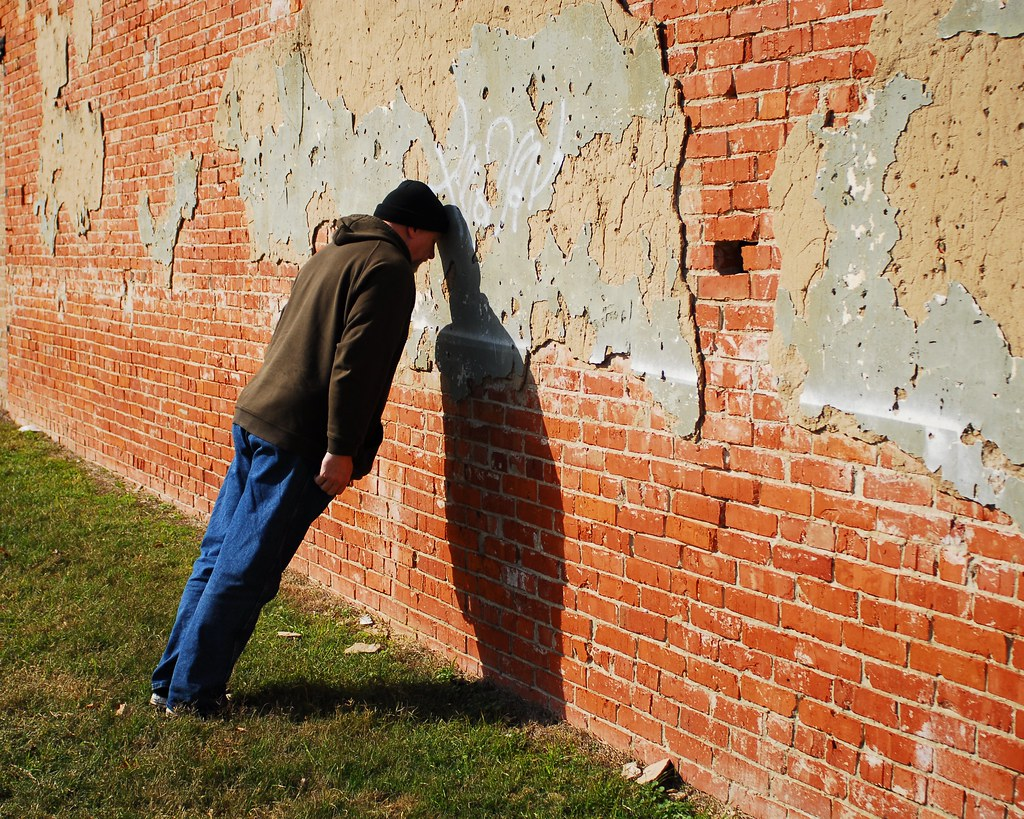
809 622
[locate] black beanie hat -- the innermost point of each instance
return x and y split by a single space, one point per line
413 204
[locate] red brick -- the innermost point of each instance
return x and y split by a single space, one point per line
1001 615
818 626
700 85
794 499
803 11
768 695
866 578
971 639
818 68
702 29
895 618
731 486
757 462
780 45
682 61
756 138
975 775
933 596
691 533
802 562
729 429
955 666
844 511
727 171
798 612
754 196
719 53
671 9
733 227
826 597
864 64
909 489
752 79
772 105
822 473
852 31
751 519
747 20
996 545
835 723
755 606
591 508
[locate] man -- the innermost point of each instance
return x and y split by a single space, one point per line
305 427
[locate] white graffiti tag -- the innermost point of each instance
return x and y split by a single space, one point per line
521 169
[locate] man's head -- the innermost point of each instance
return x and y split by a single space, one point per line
417 215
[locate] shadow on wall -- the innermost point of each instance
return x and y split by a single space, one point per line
503 502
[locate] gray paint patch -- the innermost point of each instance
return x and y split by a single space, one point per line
313 150
1002 17
525 106
944 391
161 236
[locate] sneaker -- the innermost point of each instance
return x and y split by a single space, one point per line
158 700
203 710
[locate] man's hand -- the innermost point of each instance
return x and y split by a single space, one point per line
335 473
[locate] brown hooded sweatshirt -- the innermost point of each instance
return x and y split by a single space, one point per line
328 369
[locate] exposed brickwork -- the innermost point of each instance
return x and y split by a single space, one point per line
810 624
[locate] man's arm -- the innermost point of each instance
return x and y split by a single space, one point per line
375 331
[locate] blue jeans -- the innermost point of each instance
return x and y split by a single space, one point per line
265 507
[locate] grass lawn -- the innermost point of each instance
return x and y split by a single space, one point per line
89 579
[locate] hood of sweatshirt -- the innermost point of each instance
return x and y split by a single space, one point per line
362 228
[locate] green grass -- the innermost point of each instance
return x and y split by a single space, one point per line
89 579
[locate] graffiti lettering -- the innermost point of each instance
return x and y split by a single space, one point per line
523 168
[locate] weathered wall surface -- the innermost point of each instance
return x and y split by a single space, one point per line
709 431
525 115
907 319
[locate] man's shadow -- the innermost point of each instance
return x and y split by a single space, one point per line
503 502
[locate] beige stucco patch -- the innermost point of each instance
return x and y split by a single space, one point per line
84 15
70 139
412 49
799 218
960 164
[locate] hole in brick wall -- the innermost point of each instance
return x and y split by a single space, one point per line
729 257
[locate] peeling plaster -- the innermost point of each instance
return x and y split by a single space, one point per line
70 140
939 380
956 185
279 9
52 32
548 235
84 14
1002 17
161 236
151 57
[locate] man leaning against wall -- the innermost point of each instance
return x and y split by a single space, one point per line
305 427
